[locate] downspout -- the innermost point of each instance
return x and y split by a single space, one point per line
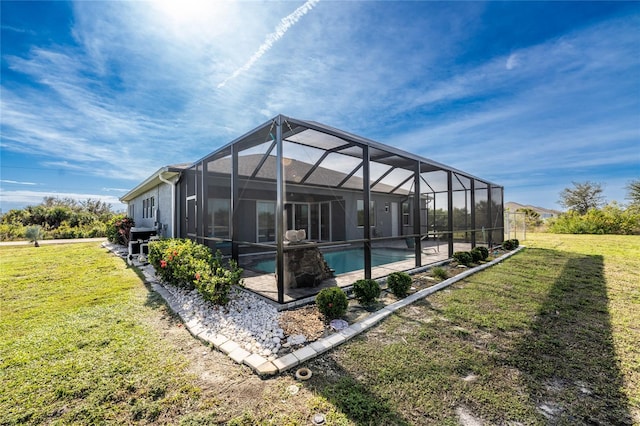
173 202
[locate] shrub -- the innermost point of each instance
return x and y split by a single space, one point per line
476 254
612 219
186 264
215 284
177 261
118 229
463 257
332 302
399 283
11 231
484 252
440 272
510 244
64 231
366 291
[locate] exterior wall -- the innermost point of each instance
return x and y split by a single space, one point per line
163 207
382 226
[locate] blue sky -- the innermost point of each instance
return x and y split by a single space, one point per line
96 95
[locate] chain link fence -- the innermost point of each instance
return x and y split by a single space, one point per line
515 226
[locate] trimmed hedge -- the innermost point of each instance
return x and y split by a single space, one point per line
332 302
510 244
366 291
399 283
463 257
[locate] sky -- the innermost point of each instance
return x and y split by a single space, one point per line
97 95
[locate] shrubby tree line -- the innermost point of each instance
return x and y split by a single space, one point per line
587 212
58 218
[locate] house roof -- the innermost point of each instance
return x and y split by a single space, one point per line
166 173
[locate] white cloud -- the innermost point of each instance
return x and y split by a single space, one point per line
15 182
120 190
36 197
512 61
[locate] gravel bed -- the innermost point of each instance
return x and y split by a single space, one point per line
247 320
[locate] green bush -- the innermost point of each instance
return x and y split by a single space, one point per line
64 231
510 244
11 231
484 252
440 272
118 229
366 291
189 265
476 254
177 261
215 284
463 257
612 219
399 283
332 302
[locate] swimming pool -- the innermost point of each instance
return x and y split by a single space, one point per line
348 260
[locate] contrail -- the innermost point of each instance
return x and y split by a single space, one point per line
285 23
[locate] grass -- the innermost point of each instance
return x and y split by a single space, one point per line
76 342
550 336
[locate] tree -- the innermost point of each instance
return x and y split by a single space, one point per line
531 217
33 234
582 197
633 193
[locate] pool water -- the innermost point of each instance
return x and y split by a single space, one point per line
348 260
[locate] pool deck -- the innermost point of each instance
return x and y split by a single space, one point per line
265 285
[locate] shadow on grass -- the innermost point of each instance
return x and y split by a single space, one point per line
353 398
568 357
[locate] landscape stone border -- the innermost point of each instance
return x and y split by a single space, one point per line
263 366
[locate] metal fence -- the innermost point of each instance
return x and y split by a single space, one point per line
515 225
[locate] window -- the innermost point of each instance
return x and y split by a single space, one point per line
219 213
360 212
148 207
266 211
405 214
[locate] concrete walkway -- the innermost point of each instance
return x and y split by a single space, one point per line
61 241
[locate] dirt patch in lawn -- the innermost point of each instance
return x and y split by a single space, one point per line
225 389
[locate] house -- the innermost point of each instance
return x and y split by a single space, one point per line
152 203
543 212
361 204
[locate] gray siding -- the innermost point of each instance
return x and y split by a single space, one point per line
162 219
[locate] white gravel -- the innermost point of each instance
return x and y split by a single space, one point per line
247 320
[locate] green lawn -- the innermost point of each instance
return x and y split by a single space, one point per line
76 343
550 336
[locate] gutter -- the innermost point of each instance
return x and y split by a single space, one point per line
173 201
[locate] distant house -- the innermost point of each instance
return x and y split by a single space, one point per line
348 197
543 212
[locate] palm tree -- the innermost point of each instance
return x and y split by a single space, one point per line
33 234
